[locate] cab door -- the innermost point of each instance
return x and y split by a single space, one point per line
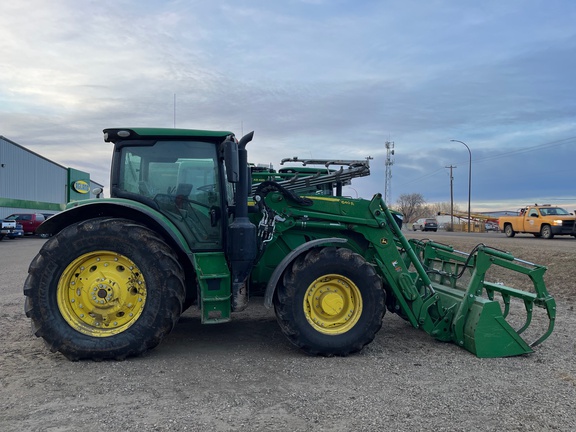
532 222
183 178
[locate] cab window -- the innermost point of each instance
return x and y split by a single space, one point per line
182 178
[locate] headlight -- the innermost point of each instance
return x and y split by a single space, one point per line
557 222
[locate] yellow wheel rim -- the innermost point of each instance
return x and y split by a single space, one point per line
333 304
101 293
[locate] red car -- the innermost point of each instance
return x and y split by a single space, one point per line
29 221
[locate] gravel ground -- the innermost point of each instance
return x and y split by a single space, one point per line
245 376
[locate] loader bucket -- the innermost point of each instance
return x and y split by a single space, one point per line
476 313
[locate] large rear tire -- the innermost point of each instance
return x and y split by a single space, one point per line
330 302
104 289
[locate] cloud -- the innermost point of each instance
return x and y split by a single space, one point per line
312 78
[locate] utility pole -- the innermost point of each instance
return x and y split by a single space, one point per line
451 197
388 178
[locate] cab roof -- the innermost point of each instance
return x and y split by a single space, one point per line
123 134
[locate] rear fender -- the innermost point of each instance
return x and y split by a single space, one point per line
119 208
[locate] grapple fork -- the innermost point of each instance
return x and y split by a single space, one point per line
478 321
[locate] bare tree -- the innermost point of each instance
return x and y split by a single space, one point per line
412 206
443 208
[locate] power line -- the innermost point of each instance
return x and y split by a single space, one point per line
423 177
499 155
529 149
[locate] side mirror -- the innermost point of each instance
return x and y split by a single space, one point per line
98 191
231 161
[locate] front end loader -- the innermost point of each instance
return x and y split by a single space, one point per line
444 292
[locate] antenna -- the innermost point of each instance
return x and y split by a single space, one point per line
388 178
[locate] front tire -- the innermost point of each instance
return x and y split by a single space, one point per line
330 302
104 289
546 232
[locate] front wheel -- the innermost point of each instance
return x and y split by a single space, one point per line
104 289
509 231
546 232
330 302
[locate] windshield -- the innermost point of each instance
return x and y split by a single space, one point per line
19 217
164 167
553 211
182 178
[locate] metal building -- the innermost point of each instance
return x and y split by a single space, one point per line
30 182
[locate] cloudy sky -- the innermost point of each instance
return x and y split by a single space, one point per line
312 78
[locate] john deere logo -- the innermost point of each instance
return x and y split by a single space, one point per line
81 186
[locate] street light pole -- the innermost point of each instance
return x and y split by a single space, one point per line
469 178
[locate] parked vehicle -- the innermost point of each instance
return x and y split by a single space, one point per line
425 224
10 229
17 233
29 221
182 227
544 221
491 226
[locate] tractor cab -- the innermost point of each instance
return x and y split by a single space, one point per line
180 176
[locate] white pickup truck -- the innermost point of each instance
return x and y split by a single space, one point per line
9 229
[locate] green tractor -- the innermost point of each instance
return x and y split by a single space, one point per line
186 226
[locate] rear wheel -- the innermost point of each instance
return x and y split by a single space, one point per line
330 302
104 289
509 231
546 232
